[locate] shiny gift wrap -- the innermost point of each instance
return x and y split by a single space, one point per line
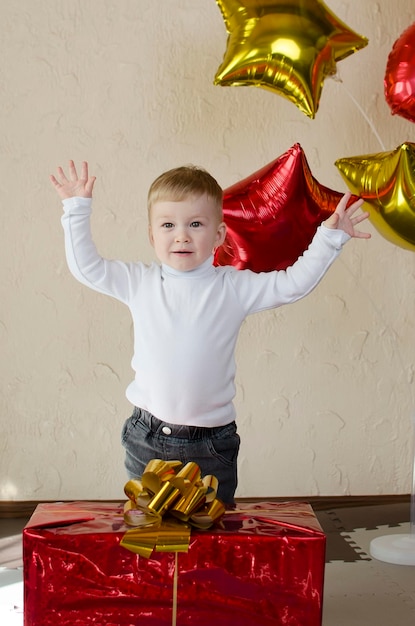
263 564
272 215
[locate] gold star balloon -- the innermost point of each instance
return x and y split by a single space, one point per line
386 181
286 46
272 215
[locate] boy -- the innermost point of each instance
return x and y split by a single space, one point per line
187 314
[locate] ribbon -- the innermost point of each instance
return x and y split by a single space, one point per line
162 507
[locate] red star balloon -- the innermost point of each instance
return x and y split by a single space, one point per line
386 181
399 79
272 215
286 46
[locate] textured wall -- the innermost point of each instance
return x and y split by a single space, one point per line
325 386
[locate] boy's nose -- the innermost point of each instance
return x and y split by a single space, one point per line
182 235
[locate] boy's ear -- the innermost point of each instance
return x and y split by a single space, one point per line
221 234
150 235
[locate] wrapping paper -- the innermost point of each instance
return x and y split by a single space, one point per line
263 564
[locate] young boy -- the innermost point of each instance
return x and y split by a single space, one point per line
187 313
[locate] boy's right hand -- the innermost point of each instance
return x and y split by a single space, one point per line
80 186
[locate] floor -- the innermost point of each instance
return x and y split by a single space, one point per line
359 590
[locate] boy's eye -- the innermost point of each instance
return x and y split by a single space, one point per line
196 224
167 225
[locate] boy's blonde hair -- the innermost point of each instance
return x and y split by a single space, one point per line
181 182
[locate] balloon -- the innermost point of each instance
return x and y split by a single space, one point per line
399 81
386 181
272 215
286 46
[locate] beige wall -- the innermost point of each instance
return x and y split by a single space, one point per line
325 386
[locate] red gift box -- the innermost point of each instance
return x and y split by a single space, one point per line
262 564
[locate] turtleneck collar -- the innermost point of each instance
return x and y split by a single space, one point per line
203 270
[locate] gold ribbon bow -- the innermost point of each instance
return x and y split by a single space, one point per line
163 506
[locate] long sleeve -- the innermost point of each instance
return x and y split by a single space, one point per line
271 289
87 266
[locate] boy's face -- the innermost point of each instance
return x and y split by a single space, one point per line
184 234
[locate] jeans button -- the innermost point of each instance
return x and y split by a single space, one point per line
166 430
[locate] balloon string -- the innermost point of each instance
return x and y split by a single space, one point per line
175 580
368 120
412 506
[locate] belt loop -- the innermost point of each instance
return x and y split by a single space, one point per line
152 422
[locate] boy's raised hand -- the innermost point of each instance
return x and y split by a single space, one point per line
344 219
80 186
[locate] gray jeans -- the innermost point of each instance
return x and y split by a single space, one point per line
215 450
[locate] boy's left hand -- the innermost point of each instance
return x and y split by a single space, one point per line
343 219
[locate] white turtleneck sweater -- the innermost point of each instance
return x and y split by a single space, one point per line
186 324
